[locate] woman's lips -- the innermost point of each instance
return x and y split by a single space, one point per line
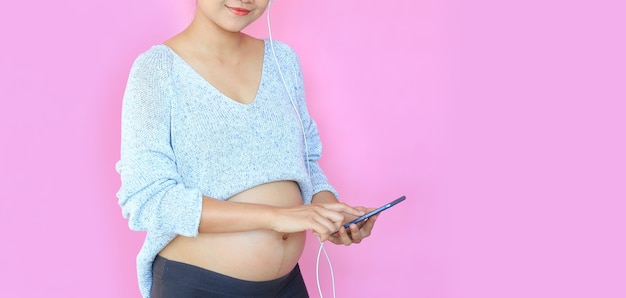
239 11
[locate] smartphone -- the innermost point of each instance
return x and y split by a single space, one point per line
374 212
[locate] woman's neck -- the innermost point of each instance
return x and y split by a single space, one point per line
205 40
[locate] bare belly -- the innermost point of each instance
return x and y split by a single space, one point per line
253 255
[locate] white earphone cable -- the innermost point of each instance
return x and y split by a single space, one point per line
306 151
280 72
317 269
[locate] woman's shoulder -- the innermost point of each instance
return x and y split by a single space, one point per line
282 50
280 46
154 58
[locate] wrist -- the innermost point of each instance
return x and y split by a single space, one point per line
269 217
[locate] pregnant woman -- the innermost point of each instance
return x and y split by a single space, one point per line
219 163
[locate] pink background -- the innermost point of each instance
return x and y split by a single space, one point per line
502 122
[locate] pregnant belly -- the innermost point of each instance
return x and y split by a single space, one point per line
256 255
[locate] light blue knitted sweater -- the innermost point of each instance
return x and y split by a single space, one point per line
182 138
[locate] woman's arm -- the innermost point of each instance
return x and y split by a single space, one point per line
322 219
152 195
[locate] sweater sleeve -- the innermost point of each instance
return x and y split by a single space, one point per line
152 195
318 178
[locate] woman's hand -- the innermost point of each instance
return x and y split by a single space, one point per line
356 232
322 219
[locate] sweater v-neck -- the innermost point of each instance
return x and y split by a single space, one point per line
196 75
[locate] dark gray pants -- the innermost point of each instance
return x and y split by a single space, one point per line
179 280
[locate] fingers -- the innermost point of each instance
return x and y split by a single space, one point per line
341 207
346 236
326 221
331 214
331 217
354 234
366 230
321 230
316 218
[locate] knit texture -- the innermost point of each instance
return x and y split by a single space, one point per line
182 139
